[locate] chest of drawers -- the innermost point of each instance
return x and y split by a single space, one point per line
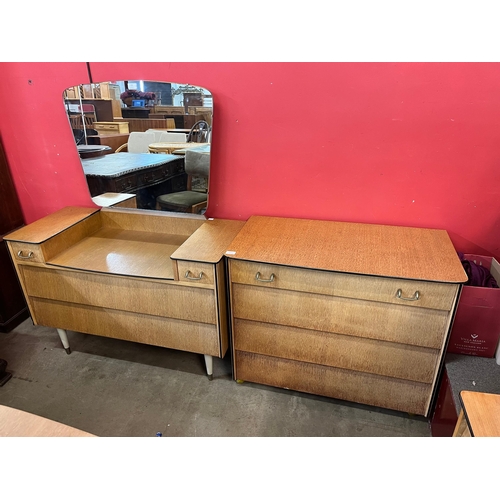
356 312
153 278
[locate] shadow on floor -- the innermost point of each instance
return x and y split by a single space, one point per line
110 387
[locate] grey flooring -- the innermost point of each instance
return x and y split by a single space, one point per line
113 388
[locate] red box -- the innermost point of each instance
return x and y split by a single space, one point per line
476 329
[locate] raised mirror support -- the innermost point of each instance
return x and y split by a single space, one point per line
143 144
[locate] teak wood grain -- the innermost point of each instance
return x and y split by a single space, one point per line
482 411
122 293
340 351
210 242
151 221
194 270
338 383
376 320
49 226
18 423
145 329
124 252
432 295
370 249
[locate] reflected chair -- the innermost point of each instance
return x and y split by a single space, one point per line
138 142
200 132
197 166
157 133
80 135
172 137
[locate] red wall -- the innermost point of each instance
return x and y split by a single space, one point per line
414 144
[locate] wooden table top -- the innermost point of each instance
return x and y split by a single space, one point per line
369 249
162 146
50 225
482 411
210 241
18 423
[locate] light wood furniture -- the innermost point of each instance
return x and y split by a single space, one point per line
104 108
171 147
18 423
117 200
149 277
111 127
480 415
358 312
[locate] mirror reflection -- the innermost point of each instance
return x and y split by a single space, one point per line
143 144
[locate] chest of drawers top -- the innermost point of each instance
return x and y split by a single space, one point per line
368 249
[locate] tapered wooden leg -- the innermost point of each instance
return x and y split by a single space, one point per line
64 339
209 364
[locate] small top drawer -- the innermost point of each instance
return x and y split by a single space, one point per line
391 290
196 272
114 127
26 252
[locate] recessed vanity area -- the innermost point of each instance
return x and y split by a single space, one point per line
154 278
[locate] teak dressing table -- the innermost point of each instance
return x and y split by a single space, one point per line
152 277
358 312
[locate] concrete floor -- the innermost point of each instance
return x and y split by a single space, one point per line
115 388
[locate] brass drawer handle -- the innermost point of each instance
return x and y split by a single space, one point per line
270 280
189 277
399 295
21 256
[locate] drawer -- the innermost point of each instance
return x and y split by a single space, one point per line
361 318
111 127
27 252
196 272
151 177
167 299
126 183
385 392
189 336
430 295
108 127
341 351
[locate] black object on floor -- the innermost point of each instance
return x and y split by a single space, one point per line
5 376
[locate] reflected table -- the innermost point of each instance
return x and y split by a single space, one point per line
171 147
147 175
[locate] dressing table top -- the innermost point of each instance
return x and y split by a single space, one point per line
47 227
370 249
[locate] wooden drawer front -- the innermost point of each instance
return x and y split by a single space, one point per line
341 351
26 252
153 330
395 394
111 128
196 272
160 174
125 183
431 295
126 294
389 322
